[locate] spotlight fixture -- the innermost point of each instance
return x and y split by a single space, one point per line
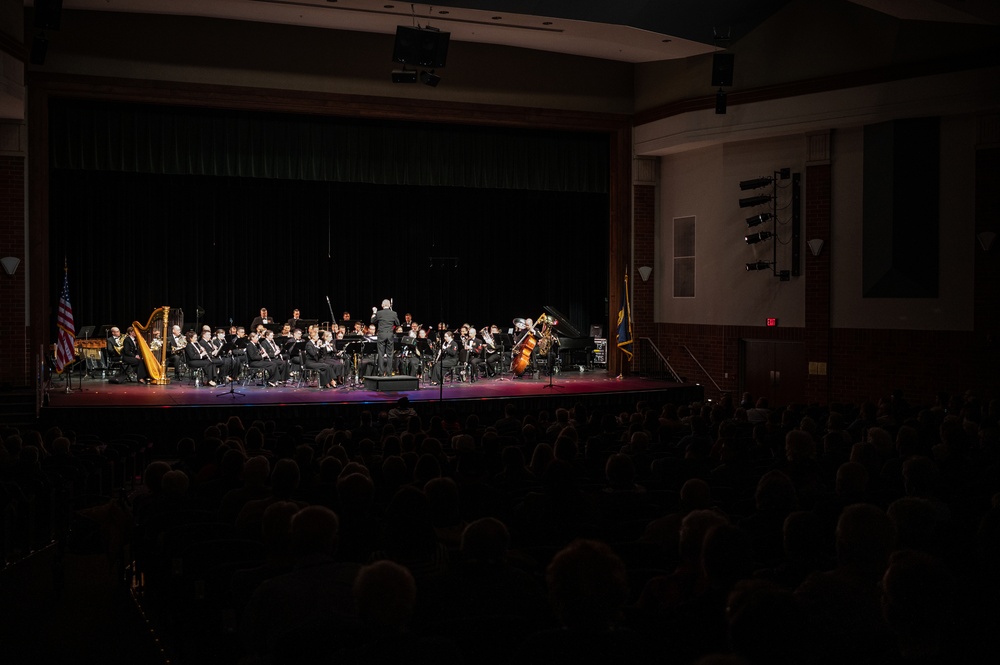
752 201
756 183
404 76
429 78
758 265
758 219
755 238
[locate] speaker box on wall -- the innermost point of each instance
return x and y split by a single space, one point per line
39 47
722 69
420 47
48 13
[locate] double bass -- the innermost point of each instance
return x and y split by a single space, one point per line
521 354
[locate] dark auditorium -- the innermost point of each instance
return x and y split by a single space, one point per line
351 332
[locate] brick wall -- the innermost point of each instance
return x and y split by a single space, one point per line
14 353
644 230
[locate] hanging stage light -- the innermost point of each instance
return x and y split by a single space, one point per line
758 265
755 238
756 183
754 201
758 219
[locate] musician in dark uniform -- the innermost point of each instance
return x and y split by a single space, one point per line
197 356
447 358
314 360
386 322
130 355
175 349
273 351
263 319
256 360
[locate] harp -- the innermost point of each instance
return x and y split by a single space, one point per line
155 357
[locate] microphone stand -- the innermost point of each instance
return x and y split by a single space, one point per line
232 392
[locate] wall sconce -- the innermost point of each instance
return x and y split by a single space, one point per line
815 246
986 239
10 264
645 272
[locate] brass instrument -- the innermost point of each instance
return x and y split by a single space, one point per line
161 319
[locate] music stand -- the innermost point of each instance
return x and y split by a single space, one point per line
228 348
86 332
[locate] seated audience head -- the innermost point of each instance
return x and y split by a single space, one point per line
314 531
587 584
865 537
485 540
386 595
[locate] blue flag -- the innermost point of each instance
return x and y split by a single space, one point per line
625 322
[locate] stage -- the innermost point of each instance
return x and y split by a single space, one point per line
96 402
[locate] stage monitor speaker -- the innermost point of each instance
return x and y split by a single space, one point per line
420 47
48 14
722 69
391 383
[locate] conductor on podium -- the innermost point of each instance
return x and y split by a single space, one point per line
386 322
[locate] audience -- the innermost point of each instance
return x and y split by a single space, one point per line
684 533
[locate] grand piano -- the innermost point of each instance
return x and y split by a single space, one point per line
576 350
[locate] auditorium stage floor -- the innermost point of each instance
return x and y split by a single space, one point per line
95 402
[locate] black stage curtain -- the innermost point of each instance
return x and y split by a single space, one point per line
225 212
135 242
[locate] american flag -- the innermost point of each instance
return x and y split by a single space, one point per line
64 321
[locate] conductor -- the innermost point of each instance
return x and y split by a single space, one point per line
385 321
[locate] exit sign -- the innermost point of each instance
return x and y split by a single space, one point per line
772 322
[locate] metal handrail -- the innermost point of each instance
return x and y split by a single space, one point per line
659 354
702 367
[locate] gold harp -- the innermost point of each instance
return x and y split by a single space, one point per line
162 319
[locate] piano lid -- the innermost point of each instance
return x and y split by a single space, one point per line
564 327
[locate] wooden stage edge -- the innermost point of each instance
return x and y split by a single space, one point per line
94 403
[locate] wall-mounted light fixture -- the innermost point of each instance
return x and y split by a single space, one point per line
755 238
10 264
772 217
645 272
815 246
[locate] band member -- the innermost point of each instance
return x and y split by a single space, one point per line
386 322
474 348
156 342
231 365
491 350
314 360
223 365
197 356
263 319
330 355
447 358
292 348
175 350
273 352
295 321
368 359
424 352
115 344
257 359
407 322
131 357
